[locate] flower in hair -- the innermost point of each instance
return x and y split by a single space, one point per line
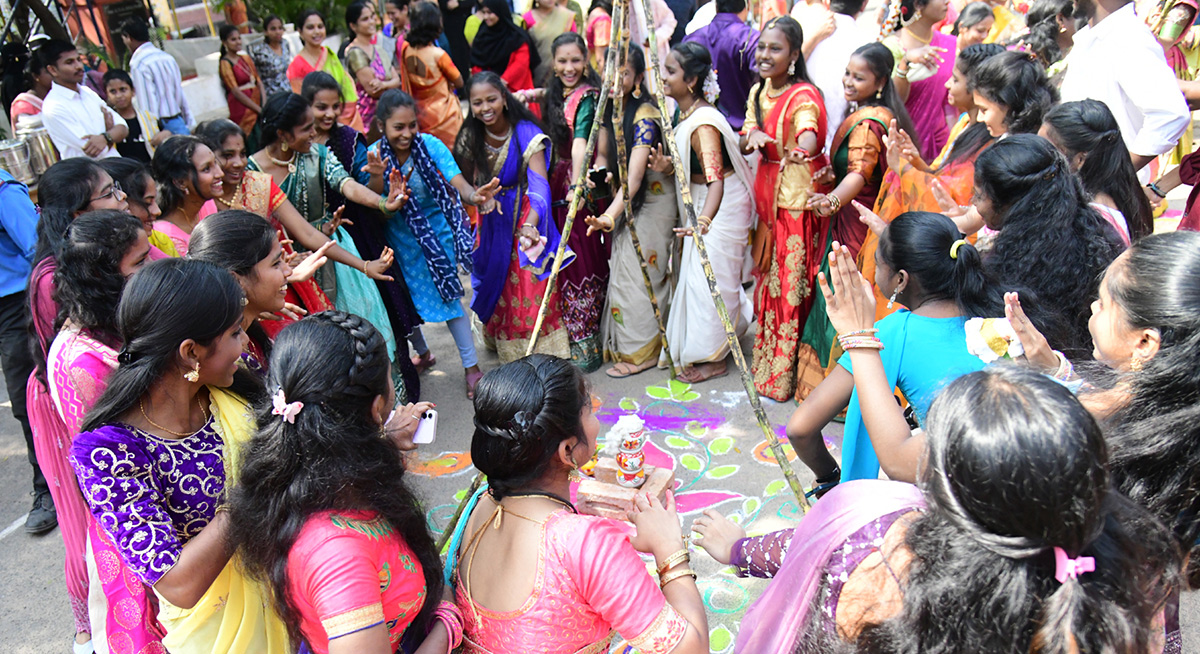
289 410
1066 567
711 89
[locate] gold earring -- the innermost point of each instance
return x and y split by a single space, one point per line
283 146
1135 363
193 375
637 92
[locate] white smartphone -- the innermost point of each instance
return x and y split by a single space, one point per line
426 428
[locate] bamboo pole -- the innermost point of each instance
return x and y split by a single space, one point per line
622 165
722 312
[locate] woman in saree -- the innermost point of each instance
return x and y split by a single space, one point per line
188 178
366 231
546 21
315 56
598 31
429 75
628 326
244 91
100 251
569 110
785 123
432 222
374 70
720 187
309 175
504 48
272 56
924 62
81 185
160 446
886 566
351 565
562 568
859 161
517 239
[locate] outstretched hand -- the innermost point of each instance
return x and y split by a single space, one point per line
397 192
659 162
375 166
718 535
849 299
1037 349
337 221
304 270
377 269
484 196
869 218
757 139
900 147
601 223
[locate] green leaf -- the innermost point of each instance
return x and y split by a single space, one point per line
774 488
696 429
721 445
629 404
691 462
677 442
719 640
721 472
750 505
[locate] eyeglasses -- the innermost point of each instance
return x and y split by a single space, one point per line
115 191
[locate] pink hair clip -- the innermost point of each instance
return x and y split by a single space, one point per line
289 411
1066 567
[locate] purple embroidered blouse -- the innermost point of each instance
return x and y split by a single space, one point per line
150 494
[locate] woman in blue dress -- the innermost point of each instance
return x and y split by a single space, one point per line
431 229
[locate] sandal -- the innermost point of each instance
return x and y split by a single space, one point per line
472 380
424 362
623 369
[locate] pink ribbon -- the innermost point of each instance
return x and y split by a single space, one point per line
1066 567
285 409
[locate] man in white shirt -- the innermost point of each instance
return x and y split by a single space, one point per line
157 79
827 57
1117 61
79 123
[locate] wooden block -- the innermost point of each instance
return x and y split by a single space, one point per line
602 496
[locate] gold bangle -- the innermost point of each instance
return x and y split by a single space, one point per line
675 559
364 269
672 576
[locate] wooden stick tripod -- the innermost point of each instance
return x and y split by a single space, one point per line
620 37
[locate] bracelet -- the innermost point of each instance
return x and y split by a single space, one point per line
383 205
675 559
860 342
672 576
1066 370
447 613
835 201
860 332
1153 186
364 267
703 220
223 507
612 223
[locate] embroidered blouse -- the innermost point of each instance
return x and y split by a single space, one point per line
349 571
150 494
708 154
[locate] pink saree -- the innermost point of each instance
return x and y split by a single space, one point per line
123 619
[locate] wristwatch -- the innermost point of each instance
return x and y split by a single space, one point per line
108 139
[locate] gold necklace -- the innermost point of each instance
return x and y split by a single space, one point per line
772 93
200 404
237 198
290 164
914 35
691 110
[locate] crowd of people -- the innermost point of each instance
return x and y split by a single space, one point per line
226 323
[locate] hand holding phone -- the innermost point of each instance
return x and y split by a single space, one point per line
426 428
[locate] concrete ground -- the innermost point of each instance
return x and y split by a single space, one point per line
707 432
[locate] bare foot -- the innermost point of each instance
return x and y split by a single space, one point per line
703 372
623 369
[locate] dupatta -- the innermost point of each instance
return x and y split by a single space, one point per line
235 615
776 620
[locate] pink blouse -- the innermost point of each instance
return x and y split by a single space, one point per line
590 583
349 571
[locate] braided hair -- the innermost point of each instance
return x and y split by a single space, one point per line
333 456
523 410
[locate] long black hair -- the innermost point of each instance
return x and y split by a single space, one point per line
283 112
389 102
922 244
637 62
1155 436
971 15
237 241
333 457
216 131
1088 126
88 279
74 181
881 61
1016 468
1052 244
1042 37
424 24
1019 83
523 410
794 34
173 163
553 101
975 136
316 82
224 33
164 304
470 147
15 70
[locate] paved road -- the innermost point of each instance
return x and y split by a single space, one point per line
708 433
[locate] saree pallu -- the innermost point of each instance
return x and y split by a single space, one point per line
357 59
508 286
694 330
775 621
369 238
585 283
927 102
787 237
427 75
244 78
235 614
329 63
858 147
543 31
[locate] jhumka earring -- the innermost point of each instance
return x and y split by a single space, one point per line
1136 363
879 94
193 375
892 299
637 91
792 68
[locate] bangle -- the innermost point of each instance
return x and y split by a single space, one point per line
672 576
1153 186
703 220
383 205
675 559
860 332
835 201
364 266
221 508
1066 370
860 343
447 613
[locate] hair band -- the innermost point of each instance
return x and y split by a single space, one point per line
954 248
1066 567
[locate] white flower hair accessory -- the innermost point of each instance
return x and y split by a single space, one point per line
282 407
992 338
711 89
